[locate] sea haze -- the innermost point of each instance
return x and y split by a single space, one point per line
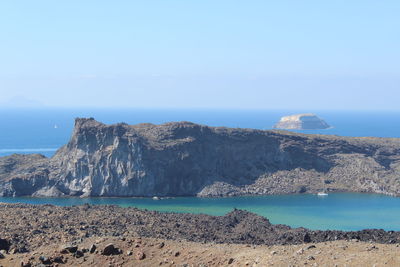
45 130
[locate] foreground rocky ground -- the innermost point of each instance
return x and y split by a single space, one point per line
86 235
159 252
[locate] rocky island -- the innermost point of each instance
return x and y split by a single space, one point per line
183 158
187 159
306 121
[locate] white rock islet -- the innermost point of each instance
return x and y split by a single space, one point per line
306 121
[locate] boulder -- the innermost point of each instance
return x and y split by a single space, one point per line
69 249
4 244
140 255
110 249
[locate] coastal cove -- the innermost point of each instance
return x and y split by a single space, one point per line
338 211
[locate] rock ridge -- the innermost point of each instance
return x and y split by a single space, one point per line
40 222
187 159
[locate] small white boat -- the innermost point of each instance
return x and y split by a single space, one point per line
156 198
322 194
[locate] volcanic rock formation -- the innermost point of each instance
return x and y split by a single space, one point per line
186 159
301 122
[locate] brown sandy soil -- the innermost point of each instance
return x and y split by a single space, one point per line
46 235
157 252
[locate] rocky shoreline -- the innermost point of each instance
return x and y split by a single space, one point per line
29 228
187 159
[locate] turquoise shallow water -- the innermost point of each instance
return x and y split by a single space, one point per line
34 131
341 211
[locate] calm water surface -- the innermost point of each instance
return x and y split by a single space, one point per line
34 131
341 211
43 131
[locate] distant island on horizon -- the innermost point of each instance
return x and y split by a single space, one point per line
187 159
305 121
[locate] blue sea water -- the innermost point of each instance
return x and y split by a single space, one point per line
34 131
340 211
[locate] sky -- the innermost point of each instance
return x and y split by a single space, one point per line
339 55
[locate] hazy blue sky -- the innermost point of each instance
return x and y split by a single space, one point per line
210 53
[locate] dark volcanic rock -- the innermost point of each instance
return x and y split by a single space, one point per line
110 249
79 254
45 260
238 226
92 248
69 249
4 244
182 158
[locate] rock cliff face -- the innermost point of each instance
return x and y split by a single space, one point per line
301 122
186 159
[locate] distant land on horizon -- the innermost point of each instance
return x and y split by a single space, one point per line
304 121
188 159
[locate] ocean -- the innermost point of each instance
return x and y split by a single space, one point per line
339 211
45 130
